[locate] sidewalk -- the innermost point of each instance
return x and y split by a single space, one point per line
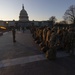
24 46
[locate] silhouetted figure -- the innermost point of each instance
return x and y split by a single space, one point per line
13 33
23 29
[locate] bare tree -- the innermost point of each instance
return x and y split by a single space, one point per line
69 15
63 22
53 19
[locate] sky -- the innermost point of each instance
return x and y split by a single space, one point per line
37 10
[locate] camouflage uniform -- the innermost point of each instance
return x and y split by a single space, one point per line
51 53
48 37
44 35
70 42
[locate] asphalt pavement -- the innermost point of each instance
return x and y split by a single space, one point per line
25 58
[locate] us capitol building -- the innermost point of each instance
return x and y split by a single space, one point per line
23 15
23 20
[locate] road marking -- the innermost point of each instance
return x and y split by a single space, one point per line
28 59
21 60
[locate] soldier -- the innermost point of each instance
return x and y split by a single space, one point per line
65 39
40 35
23 29
48 37
13 33
51 53
60 39
71 41
44 34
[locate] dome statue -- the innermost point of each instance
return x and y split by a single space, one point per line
23 15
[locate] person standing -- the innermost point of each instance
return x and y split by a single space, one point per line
23 29
13 33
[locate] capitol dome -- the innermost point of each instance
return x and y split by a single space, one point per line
23 15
